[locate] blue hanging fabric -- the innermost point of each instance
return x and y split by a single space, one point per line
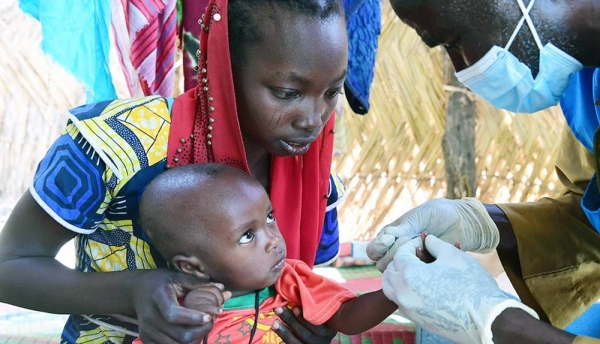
364 26
75 35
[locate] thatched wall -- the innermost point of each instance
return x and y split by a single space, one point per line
34 93
391 159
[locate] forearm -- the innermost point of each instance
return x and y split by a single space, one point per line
45 284
363 313
516 326
31 277
555 240
508 240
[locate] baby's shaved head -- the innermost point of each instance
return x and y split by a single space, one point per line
171 205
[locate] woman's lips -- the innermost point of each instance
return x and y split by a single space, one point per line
295 148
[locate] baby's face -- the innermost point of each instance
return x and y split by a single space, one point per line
247 251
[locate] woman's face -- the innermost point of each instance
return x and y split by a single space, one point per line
290 82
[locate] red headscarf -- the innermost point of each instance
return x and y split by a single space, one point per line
205 128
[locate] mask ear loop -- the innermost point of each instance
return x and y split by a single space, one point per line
536 37
525 16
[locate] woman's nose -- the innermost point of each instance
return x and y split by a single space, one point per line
311 117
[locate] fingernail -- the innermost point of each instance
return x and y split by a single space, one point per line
219 285
206 318
278 310
296 311
275 325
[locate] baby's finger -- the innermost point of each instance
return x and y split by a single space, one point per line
422 252
424 255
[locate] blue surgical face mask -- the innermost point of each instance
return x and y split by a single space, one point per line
501 79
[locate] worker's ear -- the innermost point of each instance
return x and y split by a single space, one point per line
188 265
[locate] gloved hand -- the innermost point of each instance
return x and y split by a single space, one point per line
454 296
464 221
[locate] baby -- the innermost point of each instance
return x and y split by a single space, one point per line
217 221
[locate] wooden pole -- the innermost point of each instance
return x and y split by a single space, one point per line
458 142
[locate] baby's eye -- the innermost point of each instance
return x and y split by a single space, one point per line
270 218
285 93
247 237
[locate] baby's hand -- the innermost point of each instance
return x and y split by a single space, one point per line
422 252
208 299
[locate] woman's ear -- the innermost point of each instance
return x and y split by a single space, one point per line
188 265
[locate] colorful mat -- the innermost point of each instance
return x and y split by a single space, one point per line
381 334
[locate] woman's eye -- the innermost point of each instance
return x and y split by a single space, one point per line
247 237
334 93
285 94
270 218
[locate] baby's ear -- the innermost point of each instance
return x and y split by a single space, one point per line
188 265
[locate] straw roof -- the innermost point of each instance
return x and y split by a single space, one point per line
391 159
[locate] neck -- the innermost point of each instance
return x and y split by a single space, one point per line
590 33
240 292
235 293
582 29
584 16
259 163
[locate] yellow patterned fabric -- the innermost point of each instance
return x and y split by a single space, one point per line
585 340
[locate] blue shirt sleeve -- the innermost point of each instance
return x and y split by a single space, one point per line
583 117
578 104
69 185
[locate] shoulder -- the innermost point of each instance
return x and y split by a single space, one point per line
128 134
115 107
336 193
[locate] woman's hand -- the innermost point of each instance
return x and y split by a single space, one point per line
297 330
31 277
162 319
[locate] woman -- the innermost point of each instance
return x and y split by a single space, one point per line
267 112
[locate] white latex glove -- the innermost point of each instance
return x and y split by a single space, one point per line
464 221
454 296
